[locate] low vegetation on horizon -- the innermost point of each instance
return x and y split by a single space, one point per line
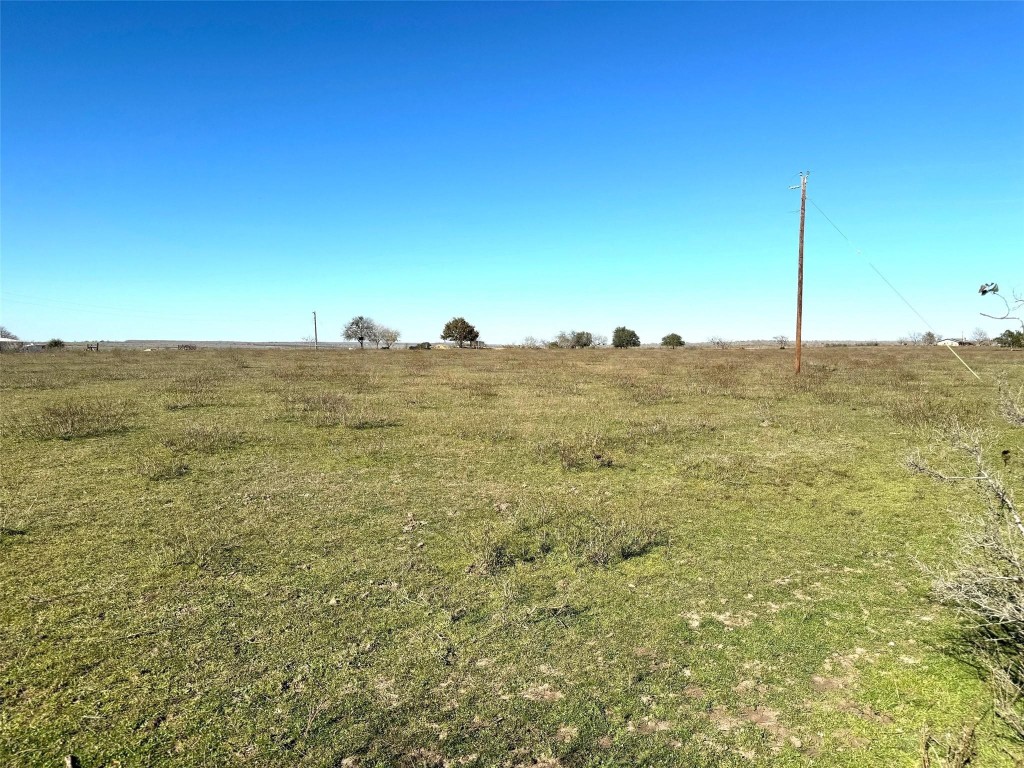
500 558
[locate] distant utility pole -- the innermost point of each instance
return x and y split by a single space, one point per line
316 344
800 268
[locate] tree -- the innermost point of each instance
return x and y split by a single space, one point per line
460 331
387 336
673 340
600 340
575 339
10 341
55 344
930 338
1010 338
624 337
1013 311
1013 308
360 329
782 340
718 342
979 336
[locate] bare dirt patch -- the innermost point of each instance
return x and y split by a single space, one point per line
650 725
542 693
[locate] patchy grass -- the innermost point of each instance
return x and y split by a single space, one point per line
490 558
67 419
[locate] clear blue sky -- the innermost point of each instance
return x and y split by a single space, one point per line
218 171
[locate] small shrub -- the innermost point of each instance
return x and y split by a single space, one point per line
74 419
984 583
54 344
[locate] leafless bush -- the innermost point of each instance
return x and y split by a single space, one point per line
1011 404
953 752
985 584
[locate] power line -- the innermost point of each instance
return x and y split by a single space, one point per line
893 287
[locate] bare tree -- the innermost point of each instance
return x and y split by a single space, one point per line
718 342
361 329
387 336
979 336
782 340
1014 308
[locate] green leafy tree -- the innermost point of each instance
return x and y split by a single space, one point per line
575 339
1010 338
460 331
673 340
625 337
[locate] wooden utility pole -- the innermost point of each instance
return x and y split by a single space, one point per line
800 270
316 344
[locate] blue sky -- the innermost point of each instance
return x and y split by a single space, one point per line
218 171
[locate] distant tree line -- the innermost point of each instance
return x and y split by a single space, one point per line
366 330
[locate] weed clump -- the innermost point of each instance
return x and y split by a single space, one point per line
1011 404
604 543
72 419
575 454
161 467
318 409
197 438
193 391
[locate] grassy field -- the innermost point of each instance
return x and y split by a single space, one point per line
514 558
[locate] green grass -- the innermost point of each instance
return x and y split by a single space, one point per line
575 558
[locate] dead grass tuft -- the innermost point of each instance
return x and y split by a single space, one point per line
71 419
